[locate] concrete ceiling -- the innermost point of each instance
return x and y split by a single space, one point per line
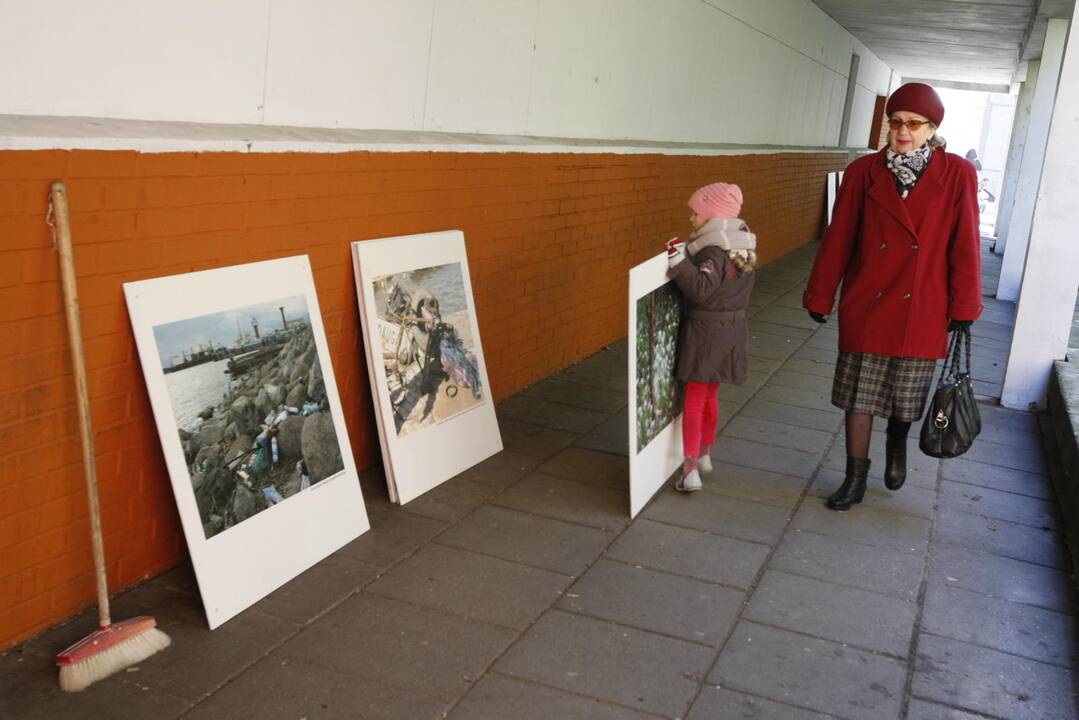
958 43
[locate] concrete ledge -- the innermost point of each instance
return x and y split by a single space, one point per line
1062 431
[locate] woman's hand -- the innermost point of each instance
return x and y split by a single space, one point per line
817 317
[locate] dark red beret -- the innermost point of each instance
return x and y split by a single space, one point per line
917 98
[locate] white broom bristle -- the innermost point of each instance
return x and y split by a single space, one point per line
79 676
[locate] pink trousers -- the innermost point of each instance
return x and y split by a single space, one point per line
701 415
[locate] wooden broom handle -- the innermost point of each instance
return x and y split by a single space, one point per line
74 331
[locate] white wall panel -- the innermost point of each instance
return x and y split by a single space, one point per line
348 63
703 71
198 60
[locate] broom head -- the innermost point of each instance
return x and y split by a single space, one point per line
109 650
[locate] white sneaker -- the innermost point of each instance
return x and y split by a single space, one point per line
704 464
689 483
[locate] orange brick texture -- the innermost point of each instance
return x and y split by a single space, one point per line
550 238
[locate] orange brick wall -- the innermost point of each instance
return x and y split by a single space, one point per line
550 238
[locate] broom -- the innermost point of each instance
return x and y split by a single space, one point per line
112 647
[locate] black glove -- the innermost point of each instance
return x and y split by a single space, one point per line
817 317
954 325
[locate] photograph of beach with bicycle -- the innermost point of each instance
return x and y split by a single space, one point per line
427 346
249 401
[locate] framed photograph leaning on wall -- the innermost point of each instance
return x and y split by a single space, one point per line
250 422
428 377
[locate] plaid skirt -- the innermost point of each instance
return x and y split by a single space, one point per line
883 386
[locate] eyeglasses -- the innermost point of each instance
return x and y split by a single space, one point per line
912 125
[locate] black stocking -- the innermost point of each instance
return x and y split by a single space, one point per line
859 425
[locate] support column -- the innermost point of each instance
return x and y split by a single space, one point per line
1020 126
1030 170
1051 278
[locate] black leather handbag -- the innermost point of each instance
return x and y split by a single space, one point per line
953 420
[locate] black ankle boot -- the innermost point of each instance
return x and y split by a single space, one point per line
895 455
852 490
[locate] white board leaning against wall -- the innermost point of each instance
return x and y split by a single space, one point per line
655 396
428 376
250 423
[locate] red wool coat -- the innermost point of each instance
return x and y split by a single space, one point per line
907 266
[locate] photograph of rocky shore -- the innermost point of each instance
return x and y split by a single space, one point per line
249 401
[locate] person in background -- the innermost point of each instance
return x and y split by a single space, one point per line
904 243
972 155
714 271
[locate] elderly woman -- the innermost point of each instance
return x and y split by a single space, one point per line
904 242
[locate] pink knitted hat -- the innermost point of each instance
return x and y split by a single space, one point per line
721 200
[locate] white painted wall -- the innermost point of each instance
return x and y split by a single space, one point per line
705 71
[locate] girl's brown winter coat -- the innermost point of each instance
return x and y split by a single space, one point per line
712 343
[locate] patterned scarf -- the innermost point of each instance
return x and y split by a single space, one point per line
908 167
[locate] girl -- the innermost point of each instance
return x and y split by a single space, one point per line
714 271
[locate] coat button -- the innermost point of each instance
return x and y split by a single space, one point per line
879 295
883 246
914 246
906 296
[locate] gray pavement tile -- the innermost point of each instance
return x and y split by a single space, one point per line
1018 458
29 691
501 469
528 539
891 572
650 600
910 499
986 502
592 505
532 440
476 586
451 500
736 394
389 641
922 470
824 339
554 415
610 436
690 552
812 399
756 379
817 674
317 590
866 524
924 710
847 615
577 394
589 466
817 354
394 534
609 662
719 514
609 377
497 698
719 703
993 683
778 433
964 470
788 378
1020 542
768 351
794 317
773 458
785 342
1009 421
1012 628
824 420
816 368
764 321
277 689
761 364
1001 577
755 485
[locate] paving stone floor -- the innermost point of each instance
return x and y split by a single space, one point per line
521 589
